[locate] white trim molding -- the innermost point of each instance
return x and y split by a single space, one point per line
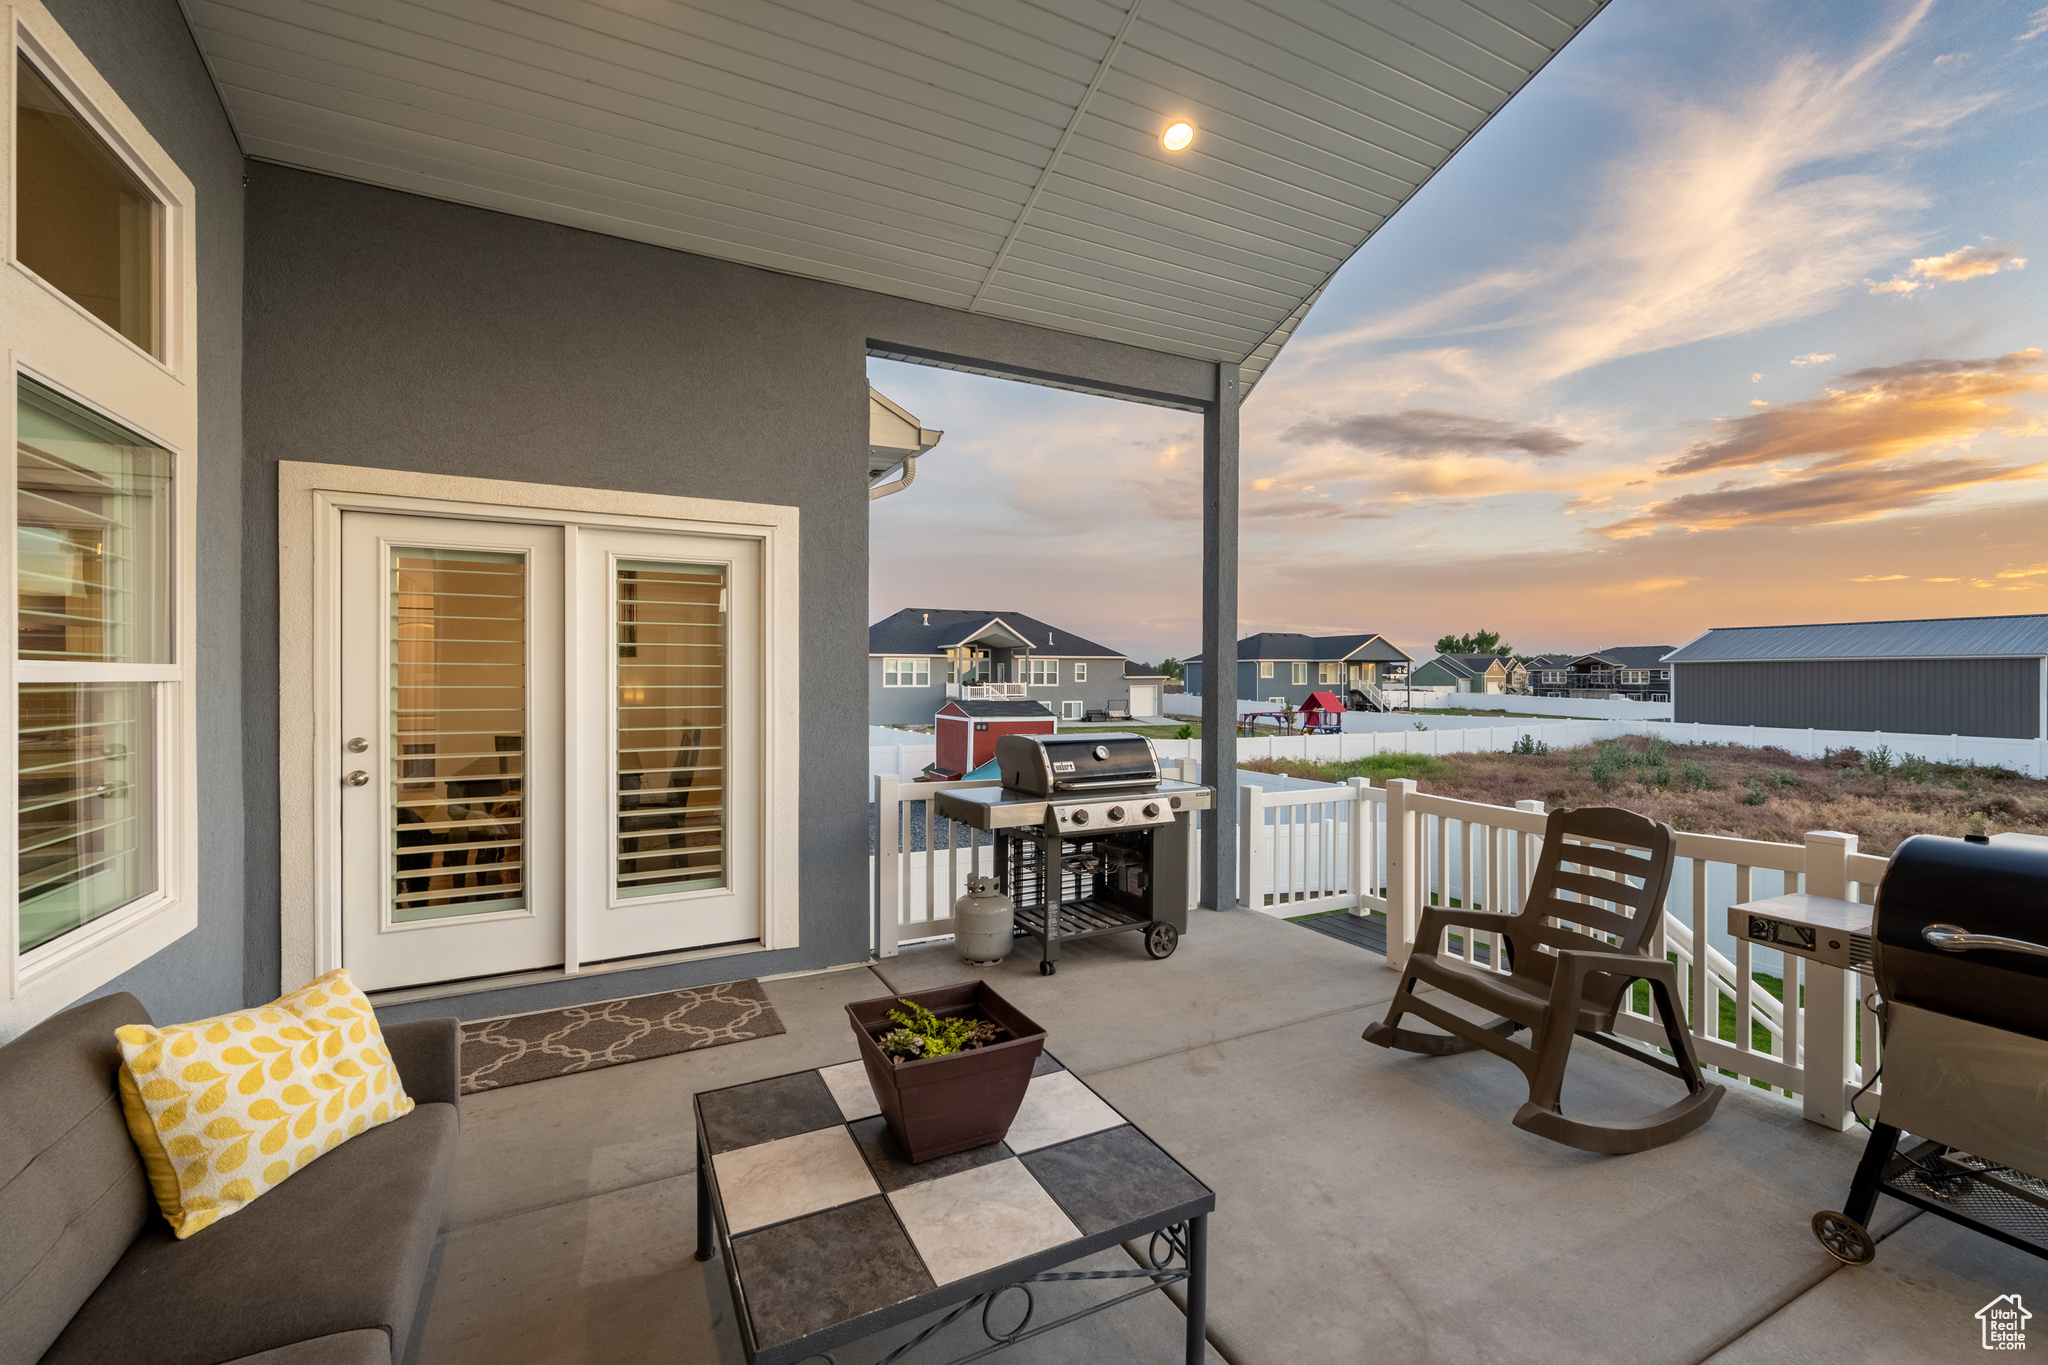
311 501
52 339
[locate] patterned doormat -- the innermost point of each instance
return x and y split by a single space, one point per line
534 1047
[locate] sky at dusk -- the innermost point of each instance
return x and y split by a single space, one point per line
1727 319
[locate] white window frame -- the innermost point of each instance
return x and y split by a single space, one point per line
1298 674
920 670
1039 672
311 501
1073 710
53 340
1329 673
1265 668
1080 673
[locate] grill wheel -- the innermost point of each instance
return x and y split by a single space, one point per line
1847 1240
1161 940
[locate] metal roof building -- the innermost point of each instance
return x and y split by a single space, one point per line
1969 675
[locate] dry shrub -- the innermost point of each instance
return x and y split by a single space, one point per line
1751 793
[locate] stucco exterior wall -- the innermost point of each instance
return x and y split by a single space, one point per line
385 329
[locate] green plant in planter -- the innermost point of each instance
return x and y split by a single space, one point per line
920 1033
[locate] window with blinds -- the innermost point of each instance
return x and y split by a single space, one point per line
458 621
671 727
93 583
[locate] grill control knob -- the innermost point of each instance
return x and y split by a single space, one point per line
1151 810
1116 812
1080 817
1102 751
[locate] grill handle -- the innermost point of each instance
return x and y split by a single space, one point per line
1953 938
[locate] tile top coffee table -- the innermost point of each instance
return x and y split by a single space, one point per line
830 1234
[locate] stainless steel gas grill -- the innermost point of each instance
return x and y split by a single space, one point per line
1960 934
1090 838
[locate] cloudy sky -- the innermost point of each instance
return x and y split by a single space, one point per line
1727 319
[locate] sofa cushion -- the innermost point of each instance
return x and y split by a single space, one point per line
343 1348
342 1246
224 1110
72 1192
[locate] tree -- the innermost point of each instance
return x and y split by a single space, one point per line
1479 642
1174 669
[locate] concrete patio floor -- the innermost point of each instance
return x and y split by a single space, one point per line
1371 1206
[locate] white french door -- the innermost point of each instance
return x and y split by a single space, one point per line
451 704
665 730
553 746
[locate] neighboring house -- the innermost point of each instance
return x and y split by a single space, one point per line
1283 667
1636 672
1471 673
1967 675
920 658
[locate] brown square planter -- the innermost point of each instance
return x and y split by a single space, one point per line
939 1105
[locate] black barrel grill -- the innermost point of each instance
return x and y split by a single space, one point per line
1961 943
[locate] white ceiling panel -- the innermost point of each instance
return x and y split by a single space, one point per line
1001 156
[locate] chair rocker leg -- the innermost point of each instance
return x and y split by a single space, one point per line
1390 1034
1543 1115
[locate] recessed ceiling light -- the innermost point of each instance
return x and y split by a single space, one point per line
1178 136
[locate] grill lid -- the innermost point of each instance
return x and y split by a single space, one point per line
1993 890
1046 765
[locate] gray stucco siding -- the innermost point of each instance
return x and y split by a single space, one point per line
389 330
1999 698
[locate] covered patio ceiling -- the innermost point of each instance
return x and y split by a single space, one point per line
997 156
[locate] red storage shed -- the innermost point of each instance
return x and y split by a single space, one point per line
967 731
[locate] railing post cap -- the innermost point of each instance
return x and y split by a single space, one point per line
1830 836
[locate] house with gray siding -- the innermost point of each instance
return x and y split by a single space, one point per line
1965 675
1633 672
1471 673
442 486
920 658
1283 667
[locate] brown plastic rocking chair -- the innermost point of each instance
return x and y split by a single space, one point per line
1566 977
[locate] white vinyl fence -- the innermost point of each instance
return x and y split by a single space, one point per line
1460 734
1395 850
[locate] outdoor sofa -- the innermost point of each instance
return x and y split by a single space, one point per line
329 1268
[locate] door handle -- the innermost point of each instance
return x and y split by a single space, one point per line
358 778
1953 938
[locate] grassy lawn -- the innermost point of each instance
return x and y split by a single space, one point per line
1749 793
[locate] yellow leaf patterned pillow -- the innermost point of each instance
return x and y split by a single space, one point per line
225 1108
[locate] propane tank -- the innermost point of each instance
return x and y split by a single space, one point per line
983 923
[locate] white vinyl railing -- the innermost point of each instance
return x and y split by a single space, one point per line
1418 850
923 860
1813 1037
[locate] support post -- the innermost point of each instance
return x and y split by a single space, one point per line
1251 828
1830 1031
1401 908
889 819
1360 845
1219 636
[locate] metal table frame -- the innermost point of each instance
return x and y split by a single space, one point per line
1176 1252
